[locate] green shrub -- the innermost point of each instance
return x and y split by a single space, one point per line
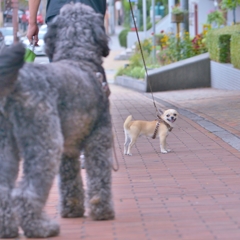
235 50
132 71
122 37
136 60
216 17
218 43
135 68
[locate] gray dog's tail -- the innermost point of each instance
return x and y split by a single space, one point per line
11 60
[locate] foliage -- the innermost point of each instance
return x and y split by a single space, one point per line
134 72
235 50
182 48
216 17
162 39
177 9
136 59
189 47
170 48
230 4
135 68
218 43
122 37
126 9
199 44
126 5
146 46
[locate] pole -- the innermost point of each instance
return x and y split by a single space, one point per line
15 20
196 18
154 30
186 22
1 14
144 6
112 16
234 16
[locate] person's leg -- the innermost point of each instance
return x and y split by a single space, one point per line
49 20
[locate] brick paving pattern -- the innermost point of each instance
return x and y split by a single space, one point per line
218 106
191 193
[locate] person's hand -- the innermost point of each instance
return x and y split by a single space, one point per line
32 33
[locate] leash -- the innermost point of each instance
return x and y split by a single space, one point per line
156 130
160 120
144 63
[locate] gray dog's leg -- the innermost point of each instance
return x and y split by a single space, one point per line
9 162
71 187
98 164
40 140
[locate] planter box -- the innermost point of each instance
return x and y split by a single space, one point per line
190 73
132 83
224 76
177 18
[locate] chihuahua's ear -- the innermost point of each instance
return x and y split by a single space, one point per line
160 111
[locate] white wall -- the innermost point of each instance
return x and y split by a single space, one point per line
204 6
164 24
230 16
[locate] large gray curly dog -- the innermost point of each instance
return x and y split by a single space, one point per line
48 114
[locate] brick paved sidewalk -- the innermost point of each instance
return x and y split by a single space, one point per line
192 193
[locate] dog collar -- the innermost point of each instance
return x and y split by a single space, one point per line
160 120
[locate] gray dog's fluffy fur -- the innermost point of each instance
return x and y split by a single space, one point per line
48 114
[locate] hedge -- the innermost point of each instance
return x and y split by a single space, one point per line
218 43
235 50
123 37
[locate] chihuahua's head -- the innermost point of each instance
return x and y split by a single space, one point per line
170 116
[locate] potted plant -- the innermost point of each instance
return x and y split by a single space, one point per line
216 18
177 14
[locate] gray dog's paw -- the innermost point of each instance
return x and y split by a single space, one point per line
72 212
41 228
9 231
102 212
8 223
104 216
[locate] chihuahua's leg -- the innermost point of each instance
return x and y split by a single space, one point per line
126 143
133 140
163 138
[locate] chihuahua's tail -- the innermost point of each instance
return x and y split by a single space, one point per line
127 122
11 61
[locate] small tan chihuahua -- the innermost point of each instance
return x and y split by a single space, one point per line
161 128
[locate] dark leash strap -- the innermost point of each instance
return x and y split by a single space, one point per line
156 130
160 120
144 63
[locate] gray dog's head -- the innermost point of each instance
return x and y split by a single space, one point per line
77 33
